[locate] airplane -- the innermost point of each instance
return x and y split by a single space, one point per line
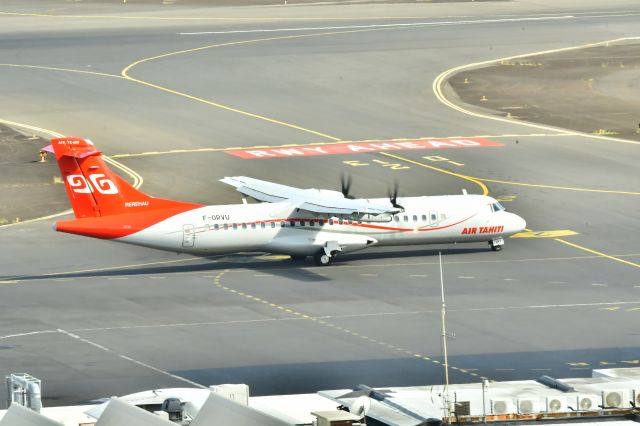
291 221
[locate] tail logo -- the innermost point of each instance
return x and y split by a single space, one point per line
99 182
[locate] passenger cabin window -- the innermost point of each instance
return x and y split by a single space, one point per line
216 226
330 221
244 226
226 226
312 223
262 225
292 223
253 225
415 218
235 226
406 218
396 218
424 217
282 224
433 217
302 223
273 224
340 221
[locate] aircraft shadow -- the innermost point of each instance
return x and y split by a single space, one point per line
303 270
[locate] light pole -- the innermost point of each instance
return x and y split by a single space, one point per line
444 339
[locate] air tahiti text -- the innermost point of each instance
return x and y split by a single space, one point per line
483 230
214 217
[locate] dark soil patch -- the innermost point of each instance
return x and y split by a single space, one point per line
592 90
28 188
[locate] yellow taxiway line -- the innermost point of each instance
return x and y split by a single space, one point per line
598 253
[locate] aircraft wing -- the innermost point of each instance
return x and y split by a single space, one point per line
313 200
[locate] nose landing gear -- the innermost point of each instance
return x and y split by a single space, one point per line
496 244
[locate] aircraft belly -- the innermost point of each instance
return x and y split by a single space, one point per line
307 242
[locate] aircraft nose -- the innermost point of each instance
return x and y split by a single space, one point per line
517 223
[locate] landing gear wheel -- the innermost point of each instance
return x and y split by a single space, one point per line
496 244
322 259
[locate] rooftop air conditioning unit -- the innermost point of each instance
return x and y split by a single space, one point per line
587 403
556 404
615 398
528 405
502 406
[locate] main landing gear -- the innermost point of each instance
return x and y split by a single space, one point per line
322 259
496 244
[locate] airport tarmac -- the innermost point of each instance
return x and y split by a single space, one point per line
94 319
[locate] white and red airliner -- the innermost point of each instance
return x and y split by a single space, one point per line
291 221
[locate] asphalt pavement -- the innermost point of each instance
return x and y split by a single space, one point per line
94 319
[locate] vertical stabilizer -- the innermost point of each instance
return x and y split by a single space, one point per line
94 190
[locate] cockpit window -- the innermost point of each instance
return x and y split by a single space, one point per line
497 207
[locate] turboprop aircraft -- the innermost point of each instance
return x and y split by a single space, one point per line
291 221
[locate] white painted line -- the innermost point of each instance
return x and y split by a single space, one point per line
600 285
30 333
556 282
511 279
128 358
400 25
422 276
192 324
466 278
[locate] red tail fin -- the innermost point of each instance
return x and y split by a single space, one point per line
94 190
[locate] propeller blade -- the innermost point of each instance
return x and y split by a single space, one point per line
345 185
393 195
